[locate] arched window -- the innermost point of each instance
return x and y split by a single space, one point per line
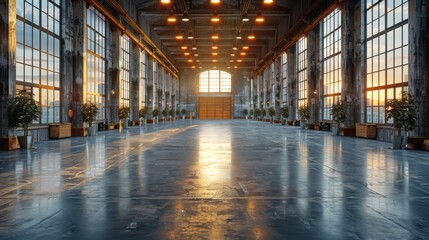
215 81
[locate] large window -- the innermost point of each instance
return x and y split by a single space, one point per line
284 79
125 71
331 50
386 55
142 88
215 81
96 60
301 48
38 54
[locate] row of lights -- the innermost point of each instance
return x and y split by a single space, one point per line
217 1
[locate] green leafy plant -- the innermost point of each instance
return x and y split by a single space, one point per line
271 112
284 111
171 112
304 113
263 112
22 110
124 112
258 112
165 112
402 111
245 112
338 113
177 112
155 112
143 112
183 111
89 112
251 112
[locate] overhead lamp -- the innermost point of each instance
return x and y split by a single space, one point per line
235 66
185 17
214 60
245 18
186 54
239 60
193 66
259 18
190 60
215 18
214 47
215 36
245 47
242 53
171 18
231 60
184 47
251 36
165 1
197 60
268 1
190 35
234 48
214 53
196 54
179 36
214 67
232 54
214 1
194 48
238 37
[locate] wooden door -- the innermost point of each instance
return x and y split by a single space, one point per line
214 107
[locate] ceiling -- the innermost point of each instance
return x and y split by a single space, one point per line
277 20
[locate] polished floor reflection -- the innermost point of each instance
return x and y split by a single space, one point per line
237 179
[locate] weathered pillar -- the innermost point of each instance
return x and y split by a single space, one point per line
78 55
418 79
348 91
67 60
150 101
7 61
134 82
113 69
292 78
313 71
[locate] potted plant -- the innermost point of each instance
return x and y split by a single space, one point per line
155 113
338 114
124 113
263 112
89 113
164 113
183 112
271 113
258 113
284 112
142 114
23 110
171 113
403 113
245 112
304 115
251 113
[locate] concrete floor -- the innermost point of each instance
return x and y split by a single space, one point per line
233 179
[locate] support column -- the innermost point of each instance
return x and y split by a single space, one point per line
7 61
78 55
67 58
292 78
135 82
113 70
419 63
348 93
313 71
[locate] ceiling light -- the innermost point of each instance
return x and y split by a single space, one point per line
259 18
215 36
214 47
234 48
190 35
231 60
185 17
242 53
196 54
214 60
245 18
251 36
194 48
268 1
193 66
238 37
245 47
165 1
171 18
239 60
197 60
184 47
215 1
232 54
214 53
190 60
215 18
235 66
186 54
214 67
179 36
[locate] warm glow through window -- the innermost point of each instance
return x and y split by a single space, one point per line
215 81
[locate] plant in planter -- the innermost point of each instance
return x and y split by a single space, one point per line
155 114
258 112
165 113
338 114
271 113
251 113
304 115
263 112
284 112
171 113
23 110
143 113
245 112
183 112
124 113
403 113
177 113
89 113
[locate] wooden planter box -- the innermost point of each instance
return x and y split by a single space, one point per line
366 130
60 130
8 143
